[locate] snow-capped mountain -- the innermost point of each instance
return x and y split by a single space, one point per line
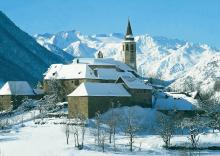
158 57
203 77
21 57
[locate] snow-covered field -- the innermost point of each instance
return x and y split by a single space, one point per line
49 140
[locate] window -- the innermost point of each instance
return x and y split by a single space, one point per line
127 48
132 47
123 47
76 82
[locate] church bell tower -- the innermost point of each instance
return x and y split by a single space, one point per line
129 48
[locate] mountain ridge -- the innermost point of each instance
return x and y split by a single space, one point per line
21 57
171 58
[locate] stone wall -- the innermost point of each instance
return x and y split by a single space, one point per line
77 104
5 102
103 104
141 97
90 105
8 102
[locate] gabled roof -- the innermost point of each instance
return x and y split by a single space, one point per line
16 88
70 71
104 61
100 89
84 68
175 101
133 82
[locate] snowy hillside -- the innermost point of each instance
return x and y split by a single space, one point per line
205 77
170 58
21 57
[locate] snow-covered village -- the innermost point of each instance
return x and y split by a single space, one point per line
64 92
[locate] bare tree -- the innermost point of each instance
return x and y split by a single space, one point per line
67 132
193 126
211 111
194 137
98 127
131 127
4 123
79 129
112 122
103 136
166 128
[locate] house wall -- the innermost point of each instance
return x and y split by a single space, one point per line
103 104
141 97
5 102
90 105
77 104
8 102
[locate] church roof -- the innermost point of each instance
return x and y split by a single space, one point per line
134 83
100 89
89 68
16 88
70 71
104 61
129 30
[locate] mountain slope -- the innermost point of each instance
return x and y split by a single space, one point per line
158 57
204 77
21 57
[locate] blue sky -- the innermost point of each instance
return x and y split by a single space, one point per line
192 20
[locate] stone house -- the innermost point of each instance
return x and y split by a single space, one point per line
98 72
68 76
91 97
13 92
140 91
84 70
183 104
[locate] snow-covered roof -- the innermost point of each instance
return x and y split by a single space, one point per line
107 73
104 61
174 101
16 88
70 71
100 89
134 83
81 68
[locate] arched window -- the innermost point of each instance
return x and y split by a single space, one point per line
127 48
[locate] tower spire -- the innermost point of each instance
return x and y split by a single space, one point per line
129 48
129 30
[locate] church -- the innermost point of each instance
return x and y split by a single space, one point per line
98 84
